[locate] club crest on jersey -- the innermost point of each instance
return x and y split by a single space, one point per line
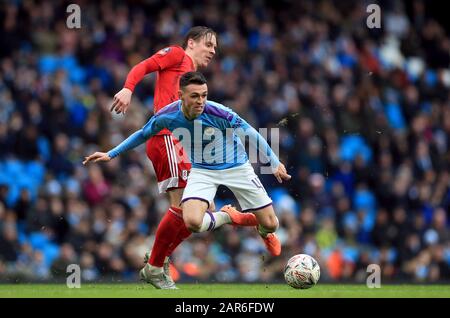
164 51
184 174
209 131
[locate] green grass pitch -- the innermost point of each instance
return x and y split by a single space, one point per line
140 290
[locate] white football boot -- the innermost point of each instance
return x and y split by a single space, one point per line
159 281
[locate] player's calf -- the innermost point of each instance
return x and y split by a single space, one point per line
267 220
268 224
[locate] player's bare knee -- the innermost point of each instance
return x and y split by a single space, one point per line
193 225
193 211
192 221
270 224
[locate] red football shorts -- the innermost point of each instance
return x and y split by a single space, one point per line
170 162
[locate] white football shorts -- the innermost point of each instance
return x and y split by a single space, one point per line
202 185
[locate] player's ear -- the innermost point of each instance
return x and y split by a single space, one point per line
180 94
191 43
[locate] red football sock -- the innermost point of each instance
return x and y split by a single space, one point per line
183 234
166 233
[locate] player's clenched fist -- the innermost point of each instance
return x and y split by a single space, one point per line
281 173
121 101
96 157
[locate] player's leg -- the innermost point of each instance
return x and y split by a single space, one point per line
236 217
183 166
171 230
198 218
194 214
267 218
268 224
168 228
179 232
160 151
182 233
172 167
199 192
253 199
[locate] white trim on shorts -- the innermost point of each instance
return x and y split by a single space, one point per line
167 184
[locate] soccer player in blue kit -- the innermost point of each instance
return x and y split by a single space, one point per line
229 165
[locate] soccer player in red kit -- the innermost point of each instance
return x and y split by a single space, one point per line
169 160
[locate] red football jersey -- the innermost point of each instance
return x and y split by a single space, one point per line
173 63
170 64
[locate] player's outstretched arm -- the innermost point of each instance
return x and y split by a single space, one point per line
131 142
258 142
121 101
281 173
96 157
135 139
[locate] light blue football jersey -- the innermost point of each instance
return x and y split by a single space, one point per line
213 140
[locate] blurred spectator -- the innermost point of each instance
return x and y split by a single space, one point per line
95 188
67 256
59 164
9 245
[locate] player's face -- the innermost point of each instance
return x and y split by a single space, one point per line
193 98
204 49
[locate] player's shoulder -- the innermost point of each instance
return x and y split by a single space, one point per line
217 105
171 50
169 109
219 110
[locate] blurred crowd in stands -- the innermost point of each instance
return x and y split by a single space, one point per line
364 119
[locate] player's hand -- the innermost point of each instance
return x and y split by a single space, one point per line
121 101
281 173
96 157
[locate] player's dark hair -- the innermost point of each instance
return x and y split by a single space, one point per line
192 78
196 33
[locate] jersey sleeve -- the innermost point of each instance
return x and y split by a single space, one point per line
161 60
244 129
151 128
170 56
138 72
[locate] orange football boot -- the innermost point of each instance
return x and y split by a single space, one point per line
239 218
273 244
